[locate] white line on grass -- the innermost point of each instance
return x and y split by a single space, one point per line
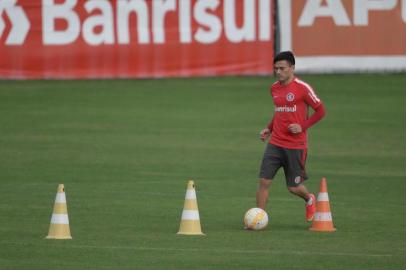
239 251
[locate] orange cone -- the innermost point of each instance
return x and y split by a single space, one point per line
323 221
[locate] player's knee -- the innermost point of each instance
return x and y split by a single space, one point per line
292 190
264 183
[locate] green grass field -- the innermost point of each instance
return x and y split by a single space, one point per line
125 150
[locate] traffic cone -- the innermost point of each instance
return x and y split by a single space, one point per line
190 222
59 228
323 221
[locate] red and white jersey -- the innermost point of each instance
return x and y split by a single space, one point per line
291 106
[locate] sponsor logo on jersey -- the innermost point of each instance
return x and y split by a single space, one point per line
285 109
290 96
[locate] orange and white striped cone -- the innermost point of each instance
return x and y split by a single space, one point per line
323 220
59 228
190 222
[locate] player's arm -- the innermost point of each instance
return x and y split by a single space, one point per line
264 134
311 99
319 113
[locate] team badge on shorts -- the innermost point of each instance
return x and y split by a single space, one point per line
290 96
298 179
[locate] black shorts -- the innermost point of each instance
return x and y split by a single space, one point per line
293 162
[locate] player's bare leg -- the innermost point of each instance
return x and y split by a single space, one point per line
310 199
263 192
300 191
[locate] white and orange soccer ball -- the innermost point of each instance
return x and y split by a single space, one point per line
255 219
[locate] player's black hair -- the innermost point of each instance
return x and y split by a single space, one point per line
286 55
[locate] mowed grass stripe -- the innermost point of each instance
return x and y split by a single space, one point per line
198 250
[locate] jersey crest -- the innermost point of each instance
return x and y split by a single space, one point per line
290 97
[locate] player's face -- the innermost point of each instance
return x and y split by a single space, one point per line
284 71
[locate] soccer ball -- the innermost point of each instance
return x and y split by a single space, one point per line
255 219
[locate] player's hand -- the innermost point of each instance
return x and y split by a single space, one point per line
264 134
295 128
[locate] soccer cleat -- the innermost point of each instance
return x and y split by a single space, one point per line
310 208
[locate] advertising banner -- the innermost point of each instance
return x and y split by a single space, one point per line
344 35
74 39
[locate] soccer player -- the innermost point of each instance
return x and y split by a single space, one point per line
287 145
